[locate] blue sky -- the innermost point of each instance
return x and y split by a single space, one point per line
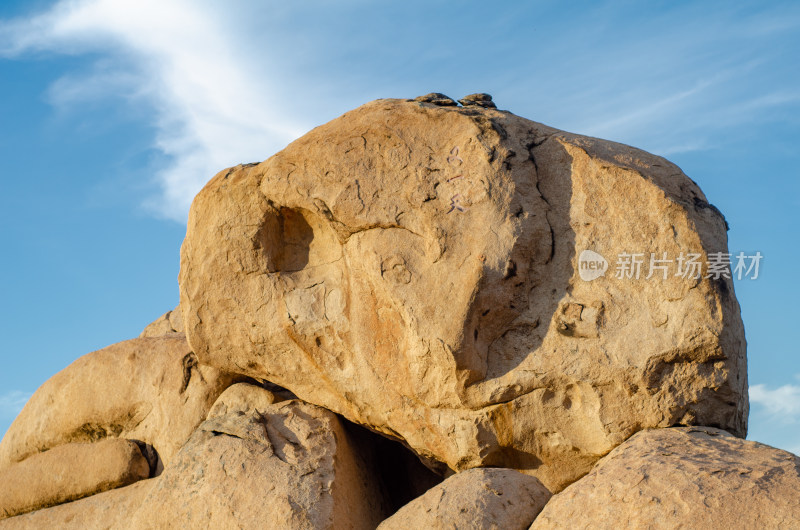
113 113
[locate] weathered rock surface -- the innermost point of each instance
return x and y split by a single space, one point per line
414 267
287 465
489 498
151 390
69 472
168 323
108 510
693 477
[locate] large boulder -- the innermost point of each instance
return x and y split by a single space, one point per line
487 498
151 390
287 465
688 477
69 472
414 267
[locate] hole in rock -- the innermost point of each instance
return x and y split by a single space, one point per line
402 475
295 239
153 458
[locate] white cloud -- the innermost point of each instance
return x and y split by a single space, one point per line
11 403
775 416
701 79
180 58
783 401
226 82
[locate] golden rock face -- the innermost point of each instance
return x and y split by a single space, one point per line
414 267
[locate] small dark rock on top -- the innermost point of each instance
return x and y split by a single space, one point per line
478 100
437 99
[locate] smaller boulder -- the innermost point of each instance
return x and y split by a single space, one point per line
69 472
436 98
242 397
254 464
477 498
690 477
478 100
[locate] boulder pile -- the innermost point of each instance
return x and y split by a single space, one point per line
393 323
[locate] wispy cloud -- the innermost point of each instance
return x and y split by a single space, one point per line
782 402
694 77
775 415
234 82
11 403
178 58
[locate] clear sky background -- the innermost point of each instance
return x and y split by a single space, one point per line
113 113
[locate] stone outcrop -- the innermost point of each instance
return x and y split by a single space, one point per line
491 300
414 267
490 498
692 477
151 390
69 472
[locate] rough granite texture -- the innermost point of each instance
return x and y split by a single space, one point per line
288 465
692 478
413 267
